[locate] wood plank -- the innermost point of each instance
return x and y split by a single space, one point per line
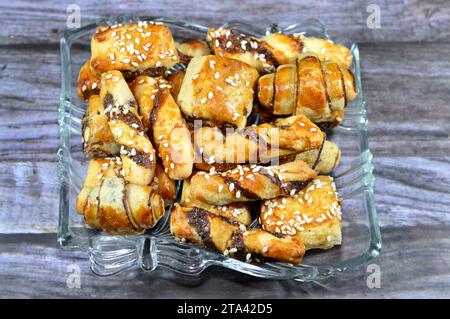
410 191
416 20
33 267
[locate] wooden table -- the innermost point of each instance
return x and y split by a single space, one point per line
406 79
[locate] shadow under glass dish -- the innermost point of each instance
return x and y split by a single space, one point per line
112 254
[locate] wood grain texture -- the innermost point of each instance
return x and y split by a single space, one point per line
412 20
33 267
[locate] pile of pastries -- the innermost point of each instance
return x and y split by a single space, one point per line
148 125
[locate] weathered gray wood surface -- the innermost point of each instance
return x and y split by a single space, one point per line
406 83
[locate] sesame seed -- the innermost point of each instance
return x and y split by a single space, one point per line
313 129
210 95
231 187
238 194
134 63
220 188
83 88
248 257
203 100
172 165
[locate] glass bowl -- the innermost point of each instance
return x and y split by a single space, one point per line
111 254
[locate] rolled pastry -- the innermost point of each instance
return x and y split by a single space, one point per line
312 216
88 82
317 90
251 183
191 48
102 168
259 144
239 212
136 150
118 207
225 42
168 127
218 90
133 48
98 140
98 170
274 49
164 185
322 160
213 231
326 50
175 80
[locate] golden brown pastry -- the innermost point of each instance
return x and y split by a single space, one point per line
284 48
191 48
250 183
98 170
312 216
168 127
136 150
239 212
102 168
317 90
225 42
230 238
88 82
322 160
118 207
164 185
98 140
175 80
133 48
259 144
218 90
274 49
326 50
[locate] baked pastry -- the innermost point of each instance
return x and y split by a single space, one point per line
98 140
136 150
239 212
251 183
326 50
274 49
102 168
230 238
88 82
98 170
175 80
322 160
169 129
317 90
312 216
191 48
118 207
225 42
259 144
133 48
164 185
218 91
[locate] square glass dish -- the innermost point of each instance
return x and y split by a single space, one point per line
111 254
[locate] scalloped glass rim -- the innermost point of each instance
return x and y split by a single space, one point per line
112 254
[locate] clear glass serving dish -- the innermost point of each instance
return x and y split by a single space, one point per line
111 254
